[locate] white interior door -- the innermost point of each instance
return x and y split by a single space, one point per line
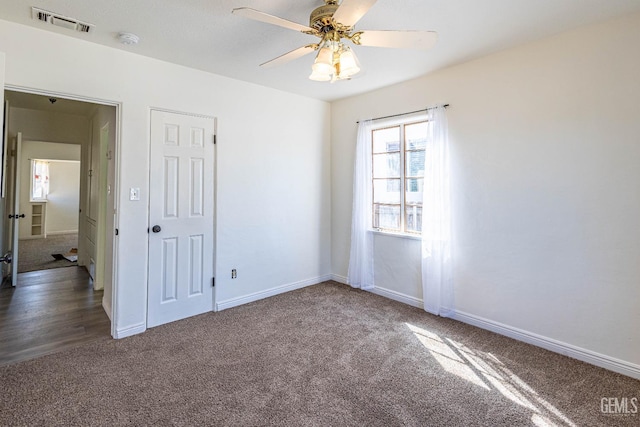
16 215
181 217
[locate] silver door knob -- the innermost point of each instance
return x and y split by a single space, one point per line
156 229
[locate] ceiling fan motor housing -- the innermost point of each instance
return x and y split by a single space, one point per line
321 17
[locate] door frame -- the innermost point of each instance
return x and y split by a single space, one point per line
215 197
15 203
118 128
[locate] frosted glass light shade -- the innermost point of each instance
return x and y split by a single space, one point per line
348 64
325 56
322 67
319 76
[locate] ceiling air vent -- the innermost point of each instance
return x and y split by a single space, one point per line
83 28
40 15
60 20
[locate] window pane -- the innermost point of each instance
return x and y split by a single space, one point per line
386 165
413 190
415 163
413 219
386 191
386 140
416 136
387 217
39 179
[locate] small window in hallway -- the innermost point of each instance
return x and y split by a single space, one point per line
39 179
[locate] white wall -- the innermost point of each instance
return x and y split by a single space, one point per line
546 187
64 179
63 199
48 126
273 195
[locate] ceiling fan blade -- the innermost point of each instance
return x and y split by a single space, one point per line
397 39
256 15
350 11
290 56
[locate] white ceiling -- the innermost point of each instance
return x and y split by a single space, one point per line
203 34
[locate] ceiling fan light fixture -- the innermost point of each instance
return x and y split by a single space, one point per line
348 64
319 77
322 68
332 23
334 61
324 60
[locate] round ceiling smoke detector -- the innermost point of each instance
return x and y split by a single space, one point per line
128 38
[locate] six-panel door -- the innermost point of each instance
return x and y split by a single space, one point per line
181 208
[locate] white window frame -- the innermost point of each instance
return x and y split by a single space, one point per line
400 123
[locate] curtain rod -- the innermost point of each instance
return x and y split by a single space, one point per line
405 114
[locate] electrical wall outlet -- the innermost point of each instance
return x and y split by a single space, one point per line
234 274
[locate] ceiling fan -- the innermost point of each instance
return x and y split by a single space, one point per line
333 23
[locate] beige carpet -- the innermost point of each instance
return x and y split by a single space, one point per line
325 355
35 254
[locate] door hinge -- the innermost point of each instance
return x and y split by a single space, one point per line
213 282
215 139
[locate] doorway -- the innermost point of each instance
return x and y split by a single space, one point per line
50 200
78 214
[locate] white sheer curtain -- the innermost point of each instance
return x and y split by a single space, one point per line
361 255
40 179
437 283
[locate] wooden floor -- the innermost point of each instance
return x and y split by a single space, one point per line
49 311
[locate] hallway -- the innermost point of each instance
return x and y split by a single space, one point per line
49 311
36 254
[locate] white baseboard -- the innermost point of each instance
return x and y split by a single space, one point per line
107 308
588 356
61 232
245 299
339 279
397 296
130 330
387 293
49 234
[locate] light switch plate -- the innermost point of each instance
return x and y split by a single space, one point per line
134 193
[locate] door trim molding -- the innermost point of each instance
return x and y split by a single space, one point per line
64 95
184 113
118 127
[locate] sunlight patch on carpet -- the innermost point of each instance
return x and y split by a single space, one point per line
488 372
445 355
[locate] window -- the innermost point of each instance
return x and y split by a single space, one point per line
39 179
398 175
